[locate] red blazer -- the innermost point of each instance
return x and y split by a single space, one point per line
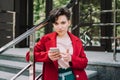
50 68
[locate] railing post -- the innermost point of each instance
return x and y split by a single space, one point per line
32 68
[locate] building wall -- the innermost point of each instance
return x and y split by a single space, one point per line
6 19
106 72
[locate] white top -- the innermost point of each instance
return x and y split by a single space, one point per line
64 43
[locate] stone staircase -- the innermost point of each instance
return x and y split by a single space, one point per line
13 60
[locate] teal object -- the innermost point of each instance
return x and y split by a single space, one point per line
66 74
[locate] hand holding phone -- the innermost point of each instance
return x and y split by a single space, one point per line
54 54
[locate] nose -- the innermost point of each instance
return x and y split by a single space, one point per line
59 26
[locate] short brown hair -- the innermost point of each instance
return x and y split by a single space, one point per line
55 13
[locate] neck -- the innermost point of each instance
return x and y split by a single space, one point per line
62 36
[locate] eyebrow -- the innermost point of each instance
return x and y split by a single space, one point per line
61 22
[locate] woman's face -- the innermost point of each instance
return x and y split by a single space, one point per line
61 25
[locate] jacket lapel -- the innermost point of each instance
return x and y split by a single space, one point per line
52 43
74 40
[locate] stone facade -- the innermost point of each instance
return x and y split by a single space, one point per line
105 72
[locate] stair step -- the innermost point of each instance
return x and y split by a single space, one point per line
91 73
18 65
21 65
13 64
14 54
17 52
7 76
13 60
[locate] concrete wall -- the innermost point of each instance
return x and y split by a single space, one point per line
106 72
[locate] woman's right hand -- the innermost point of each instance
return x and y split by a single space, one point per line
54 55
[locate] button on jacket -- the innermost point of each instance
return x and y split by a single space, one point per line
50 68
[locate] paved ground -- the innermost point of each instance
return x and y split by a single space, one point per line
103 58
93 56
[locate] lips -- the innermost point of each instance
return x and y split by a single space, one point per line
60 31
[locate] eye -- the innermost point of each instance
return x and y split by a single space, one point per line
56 23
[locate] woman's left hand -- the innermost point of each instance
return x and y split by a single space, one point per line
66 56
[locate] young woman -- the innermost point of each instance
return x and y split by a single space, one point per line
61 52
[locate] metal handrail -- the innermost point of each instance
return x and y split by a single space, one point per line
20 72
105 11
105 24
33 29
39 76
23 36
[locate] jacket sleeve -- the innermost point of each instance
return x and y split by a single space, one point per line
79 61
40 52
